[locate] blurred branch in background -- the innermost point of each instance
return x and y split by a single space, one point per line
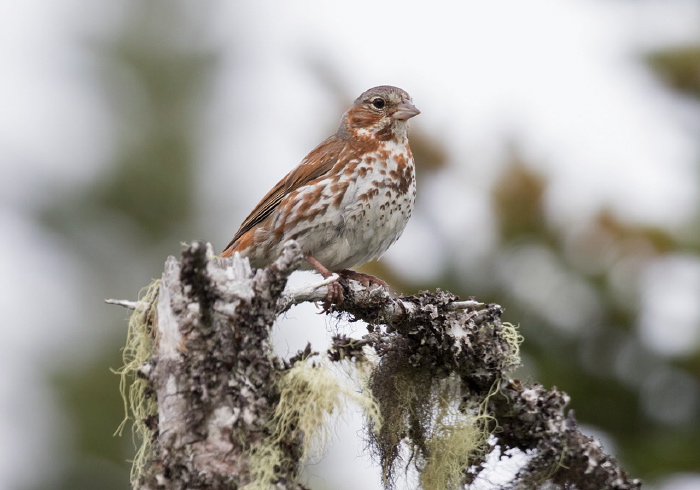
680 68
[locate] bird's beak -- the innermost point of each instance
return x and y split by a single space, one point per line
405 110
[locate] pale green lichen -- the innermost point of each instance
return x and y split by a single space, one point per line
444 431
509 333
139 404
443 436
312 396
451 447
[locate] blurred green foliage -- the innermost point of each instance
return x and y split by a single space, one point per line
680 68
154 78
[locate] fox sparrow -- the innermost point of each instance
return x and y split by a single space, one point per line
348 201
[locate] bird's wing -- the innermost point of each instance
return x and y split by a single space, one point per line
317 163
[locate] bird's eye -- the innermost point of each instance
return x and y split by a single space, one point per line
378 103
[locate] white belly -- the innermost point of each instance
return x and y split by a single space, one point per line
371 216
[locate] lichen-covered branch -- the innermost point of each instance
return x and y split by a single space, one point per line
212 374
231 414
532 417
469 341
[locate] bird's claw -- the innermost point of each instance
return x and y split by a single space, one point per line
366 280
335 296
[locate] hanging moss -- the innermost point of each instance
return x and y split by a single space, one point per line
140 404
311 397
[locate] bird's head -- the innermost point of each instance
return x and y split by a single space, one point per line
381 112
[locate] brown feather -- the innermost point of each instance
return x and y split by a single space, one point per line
315 164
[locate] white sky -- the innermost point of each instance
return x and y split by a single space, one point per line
560 78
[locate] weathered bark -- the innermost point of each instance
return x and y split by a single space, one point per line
214 375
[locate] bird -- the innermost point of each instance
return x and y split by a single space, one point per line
347 201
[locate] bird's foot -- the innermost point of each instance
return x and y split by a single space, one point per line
366 280
335 295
